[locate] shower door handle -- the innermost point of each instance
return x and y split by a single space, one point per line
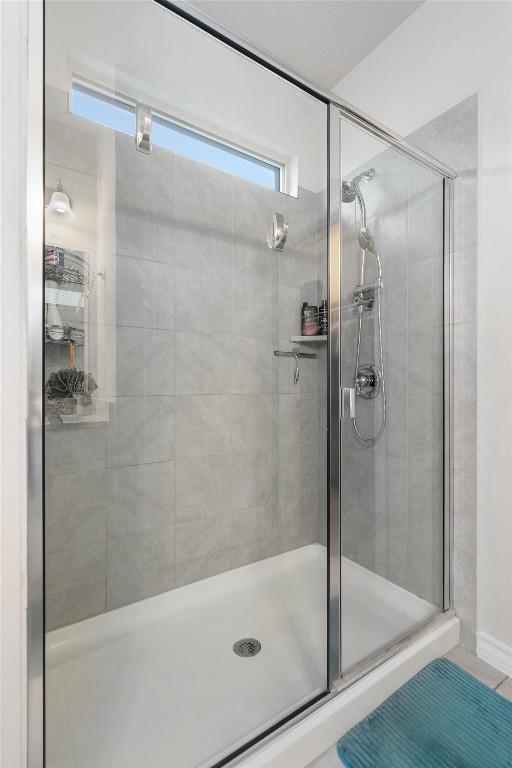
347 403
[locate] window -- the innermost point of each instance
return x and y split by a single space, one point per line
197 146
169 134
103 109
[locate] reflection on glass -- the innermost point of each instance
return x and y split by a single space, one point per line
392 340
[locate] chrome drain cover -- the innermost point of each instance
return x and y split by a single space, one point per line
247 646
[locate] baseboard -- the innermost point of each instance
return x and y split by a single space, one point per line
494 652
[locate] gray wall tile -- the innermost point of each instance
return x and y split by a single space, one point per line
198 538
140 565
203 425
141 430
140 498
75 584
253 478
202 487
190 445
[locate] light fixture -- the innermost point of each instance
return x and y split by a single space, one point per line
59 201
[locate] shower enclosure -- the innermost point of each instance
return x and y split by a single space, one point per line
241 517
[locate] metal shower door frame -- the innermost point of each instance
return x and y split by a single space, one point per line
338 680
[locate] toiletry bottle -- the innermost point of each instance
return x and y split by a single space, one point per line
323 318
310 321
303 317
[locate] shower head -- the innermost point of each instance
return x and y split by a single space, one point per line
366 240
349 189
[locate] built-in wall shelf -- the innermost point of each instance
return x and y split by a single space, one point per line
308 339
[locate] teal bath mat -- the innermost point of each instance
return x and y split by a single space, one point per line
442 718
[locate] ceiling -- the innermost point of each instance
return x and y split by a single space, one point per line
321 39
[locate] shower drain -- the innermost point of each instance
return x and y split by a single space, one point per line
247 646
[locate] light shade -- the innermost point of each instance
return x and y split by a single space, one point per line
60 202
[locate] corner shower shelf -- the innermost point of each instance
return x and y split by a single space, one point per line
308 339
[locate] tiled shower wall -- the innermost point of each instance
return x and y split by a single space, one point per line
200 455
453 138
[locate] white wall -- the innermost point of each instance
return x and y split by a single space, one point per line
441 54
13 20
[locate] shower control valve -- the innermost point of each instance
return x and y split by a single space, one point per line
363 296
368 381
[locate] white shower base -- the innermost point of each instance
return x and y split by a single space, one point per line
156 684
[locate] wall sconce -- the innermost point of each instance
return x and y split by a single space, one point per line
60 202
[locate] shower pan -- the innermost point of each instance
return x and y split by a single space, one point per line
240 520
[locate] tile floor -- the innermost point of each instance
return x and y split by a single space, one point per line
465 659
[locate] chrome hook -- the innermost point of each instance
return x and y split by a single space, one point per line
276 238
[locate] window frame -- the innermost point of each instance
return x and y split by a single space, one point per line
164 119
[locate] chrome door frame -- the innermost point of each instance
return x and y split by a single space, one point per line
34 282
337 109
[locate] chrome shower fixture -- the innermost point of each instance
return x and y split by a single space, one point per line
276 238
366 240
349 189
369 379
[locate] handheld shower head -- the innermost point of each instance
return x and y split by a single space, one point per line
349 189
366 240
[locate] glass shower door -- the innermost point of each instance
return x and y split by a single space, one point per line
185 461
392 285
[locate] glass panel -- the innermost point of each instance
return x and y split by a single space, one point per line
392 353
185 467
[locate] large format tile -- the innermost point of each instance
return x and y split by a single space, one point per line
465 210
75 509
253 368
464 359
425 366
202 487
145 293
203 363
465 284
75 584
141 430
197 568
298 419
254 524
68 447
254 307
297 521
425 225
464 505
252 258
253 478
207 246
425 294
253 422
144 361
208 191
465 434
198 538
203 301
140 565
203 425
425 428
140 498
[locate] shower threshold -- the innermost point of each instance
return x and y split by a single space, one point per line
156 683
